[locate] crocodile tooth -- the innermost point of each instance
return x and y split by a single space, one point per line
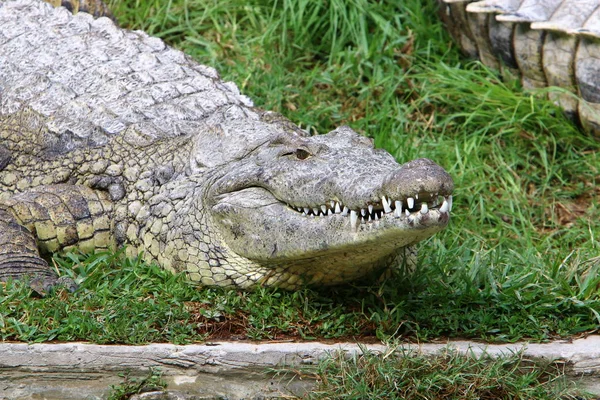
332 204
345 211
410 202
424 208
353 218
306 210
337 208
417 196
444 208
398 210
324 208
369 218
370 208
450 203
363 212
316 211
376 216
407 212
386 205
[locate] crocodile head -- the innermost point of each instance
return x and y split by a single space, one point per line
291 209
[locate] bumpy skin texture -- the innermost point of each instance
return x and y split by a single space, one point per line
109 138
97 8
546 42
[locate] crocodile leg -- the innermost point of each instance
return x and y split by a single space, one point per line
19 254
47 219
406 263
403 263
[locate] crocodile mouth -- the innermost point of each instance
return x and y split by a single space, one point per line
257 213
408 208
256 225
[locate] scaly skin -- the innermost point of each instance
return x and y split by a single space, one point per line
128 142
546 43
97 8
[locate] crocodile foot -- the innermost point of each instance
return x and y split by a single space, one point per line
19 257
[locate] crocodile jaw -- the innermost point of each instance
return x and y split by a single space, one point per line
259 227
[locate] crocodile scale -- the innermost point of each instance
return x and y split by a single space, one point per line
545 42
111 138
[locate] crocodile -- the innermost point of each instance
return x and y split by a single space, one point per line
111 138
545 43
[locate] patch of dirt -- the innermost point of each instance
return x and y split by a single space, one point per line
236 327
566 212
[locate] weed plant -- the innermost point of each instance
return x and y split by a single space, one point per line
520 258
131 386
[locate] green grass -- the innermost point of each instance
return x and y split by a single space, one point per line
518 261
403 374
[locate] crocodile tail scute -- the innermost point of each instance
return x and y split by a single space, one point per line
545 43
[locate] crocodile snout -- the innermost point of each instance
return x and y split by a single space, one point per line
420 177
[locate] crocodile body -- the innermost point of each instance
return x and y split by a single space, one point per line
546 43
109 137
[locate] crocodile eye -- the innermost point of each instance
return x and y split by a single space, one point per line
302 154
